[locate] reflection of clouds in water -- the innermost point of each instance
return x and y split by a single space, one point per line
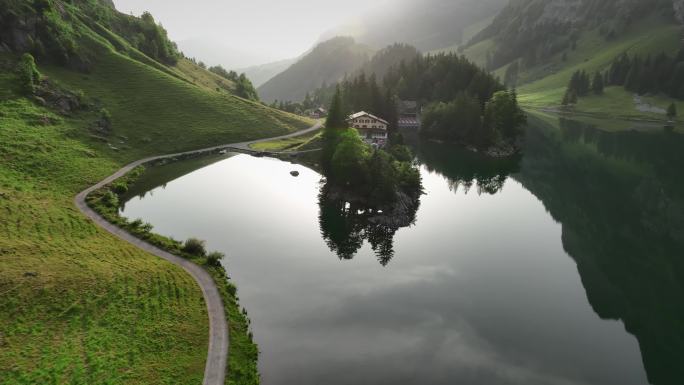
480 290
415 336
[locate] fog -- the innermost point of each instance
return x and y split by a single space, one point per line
243 33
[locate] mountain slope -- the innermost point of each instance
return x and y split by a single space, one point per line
537 46
327 63
262 73
77 305
428 25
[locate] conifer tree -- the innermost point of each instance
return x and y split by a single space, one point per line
336 116
672 111
597 85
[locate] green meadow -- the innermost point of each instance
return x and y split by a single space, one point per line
78 306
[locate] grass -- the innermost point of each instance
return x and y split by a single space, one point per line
204 78
545 85
290 144
478 52
244 353
174 114
77 305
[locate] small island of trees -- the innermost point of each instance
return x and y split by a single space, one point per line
383 181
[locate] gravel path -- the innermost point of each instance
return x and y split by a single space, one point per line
217 356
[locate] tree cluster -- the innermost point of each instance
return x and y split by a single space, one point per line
372 174
53 32
442 78
463 120
425 79
147 36
243 86
581 84
650 74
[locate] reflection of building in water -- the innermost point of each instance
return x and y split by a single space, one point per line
372 129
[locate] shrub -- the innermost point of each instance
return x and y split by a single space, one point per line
110 199
120 188
196 247
214 259
106 116
28 74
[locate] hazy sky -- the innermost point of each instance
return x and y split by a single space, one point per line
247 32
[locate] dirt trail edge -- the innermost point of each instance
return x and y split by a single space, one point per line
217 356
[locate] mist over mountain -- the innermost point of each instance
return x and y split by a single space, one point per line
260 74
427 25
215 52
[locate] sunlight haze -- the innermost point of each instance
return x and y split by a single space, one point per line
248 33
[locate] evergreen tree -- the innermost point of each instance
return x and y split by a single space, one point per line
597 85
570 97
672 111
336 115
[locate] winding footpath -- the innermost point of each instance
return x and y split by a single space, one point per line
217 356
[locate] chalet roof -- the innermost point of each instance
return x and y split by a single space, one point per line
364 113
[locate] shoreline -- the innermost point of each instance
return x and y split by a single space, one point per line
216 368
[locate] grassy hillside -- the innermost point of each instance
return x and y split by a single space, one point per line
545 85
78 306
174 114
549 42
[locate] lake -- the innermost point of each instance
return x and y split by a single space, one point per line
565 266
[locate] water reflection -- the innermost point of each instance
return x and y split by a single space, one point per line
620 199
483 289
345 226
464 169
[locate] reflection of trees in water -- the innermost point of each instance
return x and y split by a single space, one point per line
464 169
345 226
620 199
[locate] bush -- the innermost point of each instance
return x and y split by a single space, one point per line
120 188
214 259
28 74
106 116
110 199
196 247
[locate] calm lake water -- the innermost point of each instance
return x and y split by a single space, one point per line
563 267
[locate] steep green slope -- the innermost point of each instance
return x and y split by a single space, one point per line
327 63
537 46
544 86
174 114
78 306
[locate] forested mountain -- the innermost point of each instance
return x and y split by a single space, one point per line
532 30
326 63
331 62
427 25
